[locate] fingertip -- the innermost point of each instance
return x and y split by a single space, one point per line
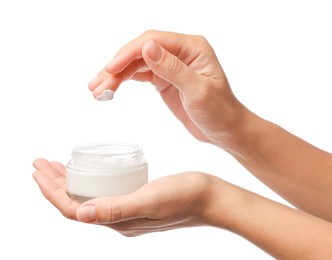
37 162
94 83
100 89
111 83
38 177
34 175
86 213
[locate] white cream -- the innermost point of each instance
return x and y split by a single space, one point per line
105 169
106 95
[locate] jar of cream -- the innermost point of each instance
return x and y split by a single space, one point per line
105 169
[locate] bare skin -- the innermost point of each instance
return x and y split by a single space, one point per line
195 199
188 75
192 83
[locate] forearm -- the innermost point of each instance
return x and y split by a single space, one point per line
295 169
281 231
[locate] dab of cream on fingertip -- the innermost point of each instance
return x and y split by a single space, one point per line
106 95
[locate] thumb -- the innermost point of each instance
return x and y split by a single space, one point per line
106 210
169 67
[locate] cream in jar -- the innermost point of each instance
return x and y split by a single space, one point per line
105 169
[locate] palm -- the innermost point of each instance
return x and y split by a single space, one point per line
51 178
170 202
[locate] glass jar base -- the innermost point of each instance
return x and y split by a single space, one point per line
78 197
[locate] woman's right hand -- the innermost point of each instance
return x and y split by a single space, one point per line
187 73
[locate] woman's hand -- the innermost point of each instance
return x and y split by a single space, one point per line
192 83
175 201
187 73
195 199
51 178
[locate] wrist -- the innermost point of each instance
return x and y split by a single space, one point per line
242 137
223 204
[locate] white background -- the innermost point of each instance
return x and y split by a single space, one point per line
277 55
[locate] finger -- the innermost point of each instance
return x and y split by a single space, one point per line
56 195
107 210
149 76
143 76
59 166
128 58
93 84
137 66
46 185
173 42
46 167
170 68
111 82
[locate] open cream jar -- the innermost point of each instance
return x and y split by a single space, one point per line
105 169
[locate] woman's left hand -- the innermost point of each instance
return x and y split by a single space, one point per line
175 201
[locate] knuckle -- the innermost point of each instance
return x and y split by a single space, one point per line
108 212
114 213
174 65
149 34
200 39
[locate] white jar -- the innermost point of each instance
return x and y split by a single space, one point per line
105 169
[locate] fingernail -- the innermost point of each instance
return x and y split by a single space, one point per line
86 213
155 52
